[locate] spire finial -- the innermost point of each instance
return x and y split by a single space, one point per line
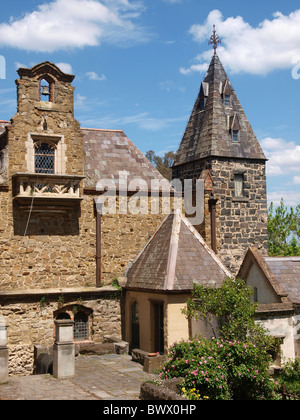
215 40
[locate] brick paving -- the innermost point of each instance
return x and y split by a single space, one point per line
109 377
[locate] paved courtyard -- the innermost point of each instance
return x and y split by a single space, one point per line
109 377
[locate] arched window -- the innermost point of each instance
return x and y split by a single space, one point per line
44 157
135 326
81 331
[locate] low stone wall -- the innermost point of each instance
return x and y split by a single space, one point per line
151 362
30 320
163 391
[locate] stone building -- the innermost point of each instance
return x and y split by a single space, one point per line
58 255
78 205
220 147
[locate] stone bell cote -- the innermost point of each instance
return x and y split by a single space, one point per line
44 124
44 87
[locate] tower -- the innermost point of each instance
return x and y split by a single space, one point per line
219 146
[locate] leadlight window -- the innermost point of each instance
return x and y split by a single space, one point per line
235 136
239 185
227 100
81 331
44 158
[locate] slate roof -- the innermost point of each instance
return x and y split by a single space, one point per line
174 259
287 272
109 152
207 133
283 273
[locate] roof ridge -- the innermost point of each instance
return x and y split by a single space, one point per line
134 261
173 250
101 129
206 247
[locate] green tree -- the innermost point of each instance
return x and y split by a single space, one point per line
232 307
284 230
162 164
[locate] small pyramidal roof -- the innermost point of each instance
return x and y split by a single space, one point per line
174 259
216 114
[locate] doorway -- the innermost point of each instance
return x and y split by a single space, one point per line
159 328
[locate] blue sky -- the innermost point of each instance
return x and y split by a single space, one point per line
139 65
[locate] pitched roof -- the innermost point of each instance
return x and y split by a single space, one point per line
282 273
109 152
174 259
208 130
287 272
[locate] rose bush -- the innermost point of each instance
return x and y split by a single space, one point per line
220 370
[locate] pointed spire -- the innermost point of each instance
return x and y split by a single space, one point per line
209 130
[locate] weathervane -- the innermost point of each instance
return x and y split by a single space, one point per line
215 40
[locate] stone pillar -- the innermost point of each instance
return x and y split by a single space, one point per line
3 353
64 350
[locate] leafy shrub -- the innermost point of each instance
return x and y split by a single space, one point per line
290 376
220 370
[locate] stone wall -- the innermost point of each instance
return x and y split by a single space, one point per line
59 251
240 222
30 321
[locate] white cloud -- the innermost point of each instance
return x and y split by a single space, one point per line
290 198
273 44
67 24
142 120
170 85
94 76
65 67
296 180
80 100
284 157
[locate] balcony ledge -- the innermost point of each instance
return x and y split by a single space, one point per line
46 189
